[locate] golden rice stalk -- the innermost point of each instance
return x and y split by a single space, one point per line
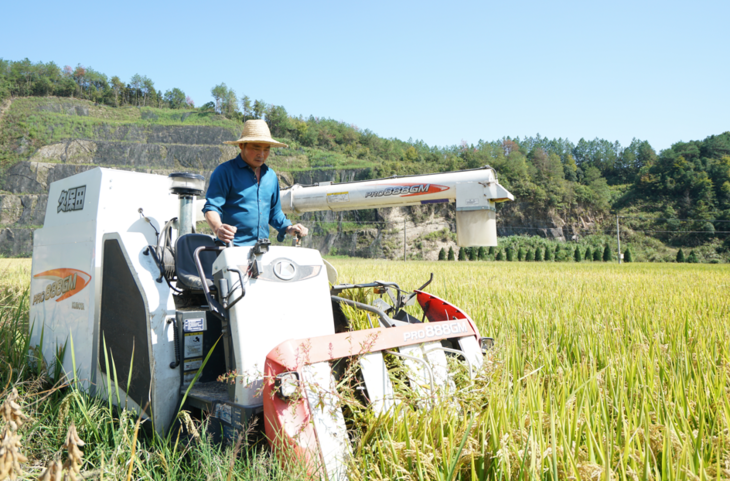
53 472
75 455
11 411
10 455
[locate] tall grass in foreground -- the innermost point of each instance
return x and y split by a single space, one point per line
600 372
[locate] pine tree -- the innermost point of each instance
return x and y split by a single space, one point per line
549 253
442 254
577 254
607 254
692 258
538 254
482 254
500 255
491 251
530 256
510 254
558 255
462 254
521 254
588 255
680 256
628 256
451 254
597 254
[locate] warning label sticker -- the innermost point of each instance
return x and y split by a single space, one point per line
189 376
193 325
193 345
192 364
336 197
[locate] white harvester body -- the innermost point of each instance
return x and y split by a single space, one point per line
152 315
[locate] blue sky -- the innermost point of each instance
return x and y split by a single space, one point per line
441 72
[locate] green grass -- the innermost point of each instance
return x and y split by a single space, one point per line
599 372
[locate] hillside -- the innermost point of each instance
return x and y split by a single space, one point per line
43 139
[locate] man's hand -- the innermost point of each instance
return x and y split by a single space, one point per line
297 229
226 232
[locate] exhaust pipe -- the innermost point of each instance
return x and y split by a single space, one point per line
186 186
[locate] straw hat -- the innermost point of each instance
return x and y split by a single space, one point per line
257 132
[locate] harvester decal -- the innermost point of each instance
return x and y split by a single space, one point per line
66 283
407 190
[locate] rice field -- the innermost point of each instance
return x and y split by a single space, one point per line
599 372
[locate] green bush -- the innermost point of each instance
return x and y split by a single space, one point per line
482 254
549 253
521 254
607 254
628 256
597 254
530 256
680 256
510 254
451 254
500 255
538 254
692 259
588 255
442 254
462 254
577 256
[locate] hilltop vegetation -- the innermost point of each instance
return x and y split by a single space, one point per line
680 195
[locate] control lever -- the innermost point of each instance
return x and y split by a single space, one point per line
297 242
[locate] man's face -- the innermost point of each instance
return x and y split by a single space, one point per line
255 154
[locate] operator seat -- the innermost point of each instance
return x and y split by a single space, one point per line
185 269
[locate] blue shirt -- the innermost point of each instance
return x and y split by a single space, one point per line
242 202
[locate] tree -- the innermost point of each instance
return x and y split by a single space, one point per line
442 254
246 107
549 253
174 99
491 250
259 107
521 254
607 254
510 254
219 93
229 104
482 254
588 254
538 254
451 254
680 255
530 256
628 256
462 254
577 255
117 89
692 259
597 255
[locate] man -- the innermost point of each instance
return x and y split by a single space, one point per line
243 195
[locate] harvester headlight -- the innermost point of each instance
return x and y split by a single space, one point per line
486 344
186 183
286 385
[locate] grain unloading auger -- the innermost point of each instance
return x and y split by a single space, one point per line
146 304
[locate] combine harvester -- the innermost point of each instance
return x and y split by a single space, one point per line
120 277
